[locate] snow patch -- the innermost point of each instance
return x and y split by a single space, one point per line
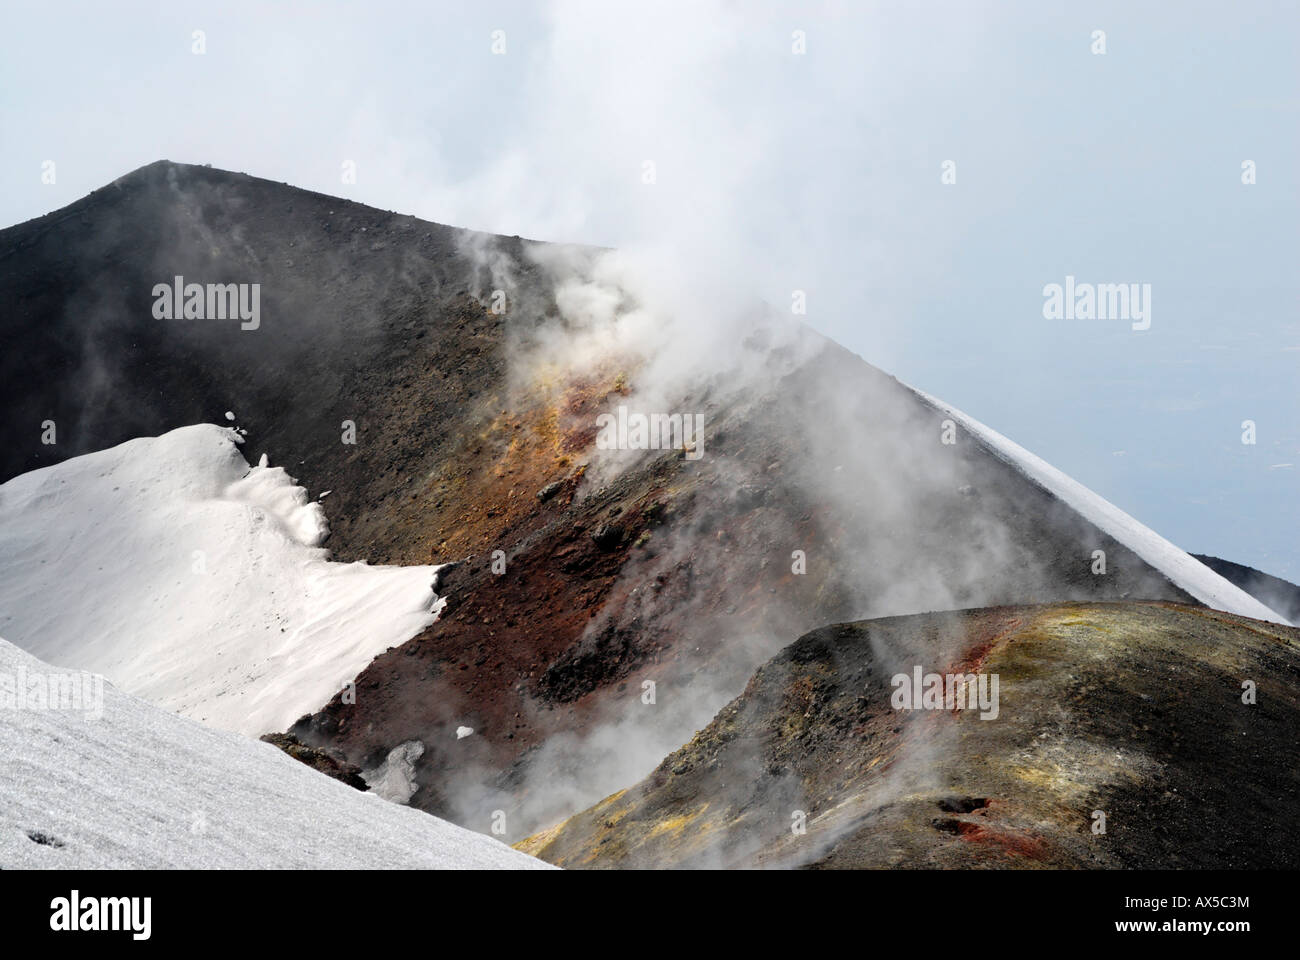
1182 569
140 788
191 580
394 779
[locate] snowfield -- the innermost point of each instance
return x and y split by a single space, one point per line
190 580
137 787
1182 569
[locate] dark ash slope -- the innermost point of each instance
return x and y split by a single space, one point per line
1133 710
1275 593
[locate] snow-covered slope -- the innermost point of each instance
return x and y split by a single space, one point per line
1180 567
195 582
131 786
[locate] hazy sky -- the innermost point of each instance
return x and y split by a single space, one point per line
818 171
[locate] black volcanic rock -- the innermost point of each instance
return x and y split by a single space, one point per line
320 760
1274 592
